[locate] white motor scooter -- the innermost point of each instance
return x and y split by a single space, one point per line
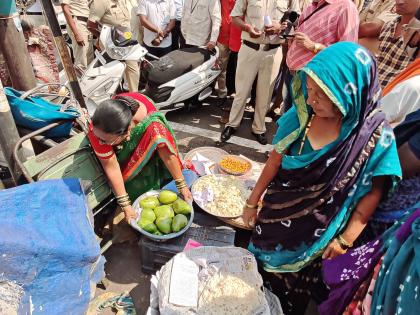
166 87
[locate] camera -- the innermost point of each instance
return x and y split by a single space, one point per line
291 17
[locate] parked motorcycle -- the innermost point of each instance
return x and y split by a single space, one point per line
182 76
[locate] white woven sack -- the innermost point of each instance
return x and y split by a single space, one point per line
229 283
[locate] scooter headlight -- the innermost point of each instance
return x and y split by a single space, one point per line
117 52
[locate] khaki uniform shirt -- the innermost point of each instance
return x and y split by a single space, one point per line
254 12
380 10
201 21
78 7
111 12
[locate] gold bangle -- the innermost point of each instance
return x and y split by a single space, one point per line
122 196
343 243
251 206
179 187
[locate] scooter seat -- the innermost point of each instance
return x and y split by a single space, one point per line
175 64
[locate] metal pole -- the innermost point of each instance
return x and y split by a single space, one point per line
9 135
13 47
51 18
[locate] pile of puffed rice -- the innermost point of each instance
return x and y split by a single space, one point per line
226 195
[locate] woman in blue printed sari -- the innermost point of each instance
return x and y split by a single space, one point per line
334 158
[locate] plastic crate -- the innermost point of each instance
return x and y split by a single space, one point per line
205 230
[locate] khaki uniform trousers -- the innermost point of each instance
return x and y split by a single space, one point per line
250 63
83 55
132 75
224 53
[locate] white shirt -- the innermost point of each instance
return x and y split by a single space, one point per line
160 13
403 99
179 7
201 21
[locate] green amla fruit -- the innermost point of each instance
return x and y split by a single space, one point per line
148 215
182 207
149 202
158 233
179 222
164 224
167 197
147 226
164 211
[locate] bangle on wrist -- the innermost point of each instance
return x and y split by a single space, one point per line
251 206
122 196
179 187
343 243
123 200
317 48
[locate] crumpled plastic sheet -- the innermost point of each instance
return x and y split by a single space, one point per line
48 246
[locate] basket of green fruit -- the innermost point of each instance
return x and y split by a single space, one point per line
162 215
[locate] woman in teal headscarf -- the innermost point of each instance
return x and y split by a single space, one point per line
333 160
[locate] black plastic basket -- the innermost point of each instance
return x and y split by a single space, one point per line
205 230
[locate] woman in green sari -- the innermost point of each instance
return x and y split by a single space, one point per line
136 147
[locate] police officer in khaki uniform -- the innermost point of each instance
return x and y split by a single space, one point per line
76 13
260 54
115 13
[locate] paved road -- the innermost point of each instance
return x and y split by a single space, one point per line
200 127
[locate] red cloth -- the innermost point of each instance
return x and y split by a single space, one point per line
106 151
229 35
235 39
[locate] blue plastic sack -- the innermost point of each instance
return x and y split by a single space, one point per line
48 246
35 112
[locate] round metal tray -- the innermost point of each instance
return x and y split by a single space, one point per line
160 238
202 206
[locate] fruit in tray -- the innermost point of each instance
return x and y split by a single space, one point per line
164 211
149 202
147 225
166 197
148 215
164 224
158 213
179 222
181 207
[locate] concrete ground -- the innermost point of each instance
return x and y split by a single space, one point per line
196 128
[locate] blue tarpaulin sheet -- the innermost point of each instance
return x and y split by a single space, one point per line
48 246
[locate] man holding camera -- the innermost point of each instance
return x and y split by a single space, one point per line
158 19
260 54
322 23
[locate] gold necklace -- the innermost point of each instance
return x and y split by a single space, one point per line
308 126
